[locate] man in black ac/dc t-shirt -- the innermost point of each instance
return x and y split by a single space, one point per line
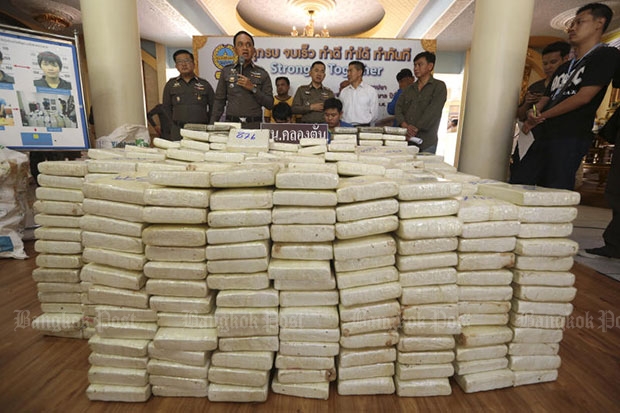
562 127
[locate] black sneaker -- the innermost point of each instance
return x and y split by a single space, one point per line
597 253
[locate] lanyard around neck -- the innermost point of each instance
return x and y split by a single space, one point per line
574 64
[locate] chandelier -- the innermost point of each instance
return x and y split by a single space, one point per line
309 28
312 7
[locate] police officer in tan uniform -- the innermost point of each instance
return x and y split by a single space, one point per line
308 101
187 98
243 88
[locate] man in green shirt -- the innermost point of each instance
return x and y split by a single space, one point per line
420 105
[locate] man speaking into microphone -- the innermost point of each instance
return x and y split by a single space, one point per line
243 88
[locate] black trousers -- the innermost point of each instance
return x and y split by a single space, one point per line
611 236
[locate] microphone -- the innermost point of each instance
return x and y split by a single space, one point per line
241 62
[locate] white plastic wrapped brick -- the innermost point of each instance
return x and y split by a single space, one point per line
66 221
352 168
198 198
63 168
487 229
241 198
239 218
478 208
111 166
365 188
419 188
173 304
341 156
366 227
550 247
174 215
428 208
547 215
113 276
195 145
59 194
58 208
420 262
111 209
299 197
438 227
426 245
112 241
302 233
539 230
187 179
493 244
303 215
291 179
245 177
528 195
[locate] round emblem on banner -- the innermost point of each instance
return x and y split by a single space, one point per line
223 55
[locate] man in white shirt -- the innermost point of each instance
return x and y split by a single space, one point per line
360 102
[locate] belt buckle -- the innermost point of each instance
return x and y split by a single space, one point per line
242 119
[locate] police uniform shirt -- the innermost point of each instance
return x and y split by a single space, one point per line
188 102
307 95
239 101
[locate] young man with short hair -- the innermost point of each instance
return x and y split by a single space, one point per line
51 65
332 113
283 85
420 105
244 88
187 98
282 113
562 124
404 79
5 78
308 101
553 55
360 103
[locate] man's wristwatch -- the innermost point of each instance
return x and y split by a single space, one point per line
254 89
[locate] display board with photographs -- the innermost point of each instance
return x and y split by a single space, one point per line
41 103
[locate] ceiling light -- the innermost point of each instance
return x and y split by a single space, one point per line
309 28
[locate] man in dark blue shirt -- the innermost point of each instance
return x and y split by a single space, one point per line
404 78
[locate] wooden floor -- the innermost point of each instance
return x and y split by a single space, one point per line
39 373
